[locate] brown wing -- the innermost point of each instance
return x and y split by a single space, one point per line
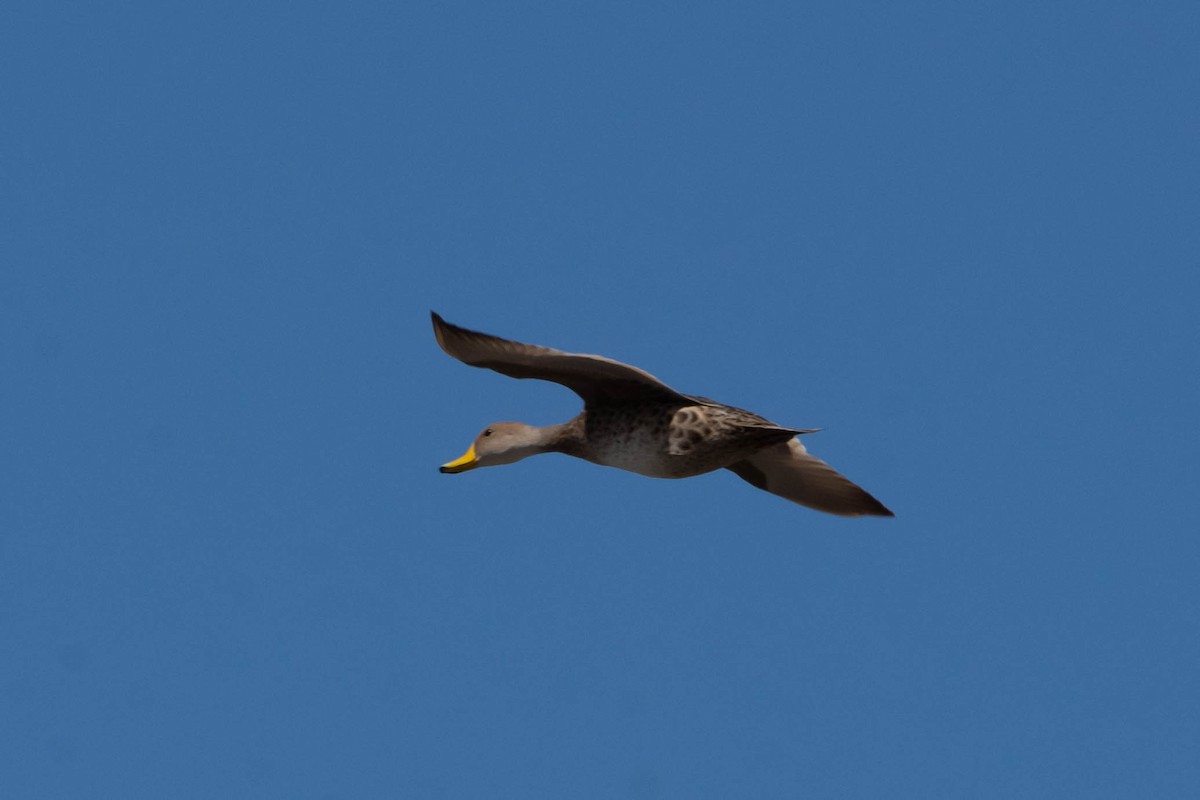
790 472
594 378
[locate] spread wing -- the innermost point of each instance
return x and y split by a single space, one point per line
790 472
594 378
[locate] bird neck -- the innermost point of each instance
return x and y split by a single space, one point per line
565 438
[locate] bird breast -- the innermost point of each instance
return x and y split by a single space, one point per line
657 441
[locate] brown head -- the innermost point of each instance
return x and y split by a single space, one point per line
499 443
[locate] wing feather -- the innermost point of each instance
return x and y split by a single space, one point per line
594 378
789 471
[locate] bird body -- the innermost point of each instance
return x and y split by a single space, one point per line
633 421
674 441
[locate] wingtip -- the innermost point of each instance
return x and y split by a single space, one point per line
440 326
875 509
878 509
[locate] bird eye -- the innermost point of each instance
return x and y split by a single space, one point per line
488 432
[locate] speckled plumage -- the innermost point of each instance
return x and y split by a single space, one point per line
673 441
633 421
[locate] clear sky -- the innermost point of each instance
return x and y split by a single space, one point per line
962 238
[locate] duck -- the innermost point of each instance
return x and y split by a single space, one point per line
635 422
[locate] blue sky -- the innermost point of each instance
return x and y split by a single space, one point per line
962 239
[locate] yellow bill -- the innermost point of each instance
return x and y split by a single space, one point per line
466 462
